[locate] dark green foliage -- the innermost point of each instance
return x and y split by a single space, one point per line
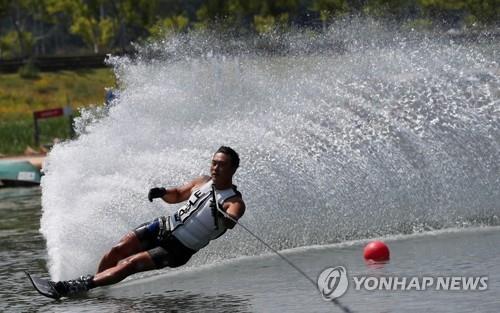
47 27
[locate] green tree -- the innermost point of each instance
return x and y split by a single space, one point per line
439 9
134 18
217 11
485 11
88 21
169 25
327 9
18 14
96 33
396 9
262 14
264 24
10 44
4 7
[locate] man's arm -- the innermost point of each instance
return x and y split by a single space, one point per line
181 193
235 208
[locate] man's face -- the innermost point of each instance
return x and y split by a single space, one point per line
221 168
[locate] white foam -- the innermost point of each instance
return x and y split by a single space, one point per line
376 140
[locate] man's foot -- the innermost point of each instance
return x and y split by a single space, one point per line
68 288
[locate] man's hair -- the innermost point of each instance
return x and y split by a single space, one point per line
235 158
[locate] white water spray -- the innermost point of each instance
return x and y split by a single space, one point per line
386 135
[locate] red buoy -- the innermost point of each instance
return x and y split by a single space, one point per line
376 251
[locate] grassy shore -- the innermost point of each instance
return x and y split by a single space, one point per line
19 98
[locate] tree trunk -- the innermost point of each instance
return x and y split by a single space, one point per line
15 21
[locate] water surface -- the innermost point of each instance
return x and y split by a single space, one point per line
259 283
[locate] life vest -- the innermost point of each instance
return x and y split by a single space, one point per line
199 221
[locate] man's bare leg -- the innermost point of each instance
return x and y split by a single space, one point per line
128 246
139 262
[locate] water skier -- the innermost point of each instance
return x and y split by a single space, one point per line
171 240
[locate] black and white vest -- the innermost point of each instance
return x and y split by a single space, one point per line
199 221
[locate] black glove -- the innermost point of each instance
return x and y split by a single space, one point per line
156 193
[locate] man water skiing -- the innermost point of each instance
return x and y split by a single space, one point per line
172 240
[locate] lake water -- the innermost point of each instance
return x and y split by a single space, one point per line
257 283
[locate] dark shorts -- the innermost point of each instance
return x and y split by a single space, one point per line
165 249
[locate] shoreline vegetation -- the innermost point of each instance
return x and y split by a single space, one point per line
20 97
34 28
